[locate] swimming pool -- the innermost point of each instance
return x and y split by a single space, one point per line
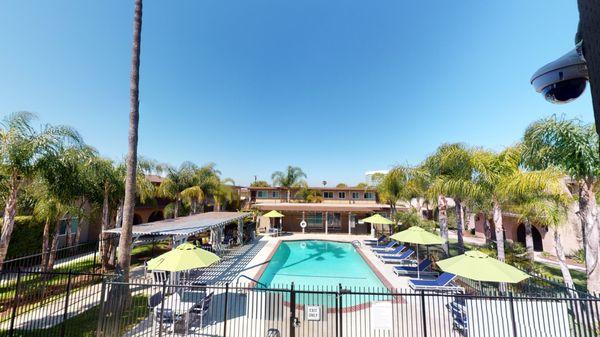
320 265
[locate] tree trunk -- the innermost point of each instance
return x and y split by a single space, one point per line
45 246
124 251
487 229
119 216
588 213
288 195
589 24
560 254
459 226
528 239
176 209
104 237
499 229
443 221
8 223
54 247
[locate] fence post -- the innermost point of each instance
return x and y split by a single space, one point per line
225 310
292 311
341 308
162 307
512 314
423 318
101 311
13 315
66 309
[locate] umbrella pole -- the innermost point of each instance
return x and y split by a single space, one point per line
418 271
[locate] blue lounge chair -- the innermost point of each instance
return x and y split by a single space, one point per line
443 282
386 248
374 242
421 269
394 251
397 258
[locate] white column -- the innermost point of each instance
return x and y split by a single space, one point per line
349 223
326 223
372 231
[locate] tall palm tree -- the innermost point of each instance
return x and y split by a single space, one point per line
125 239
20 148
292 177
572 146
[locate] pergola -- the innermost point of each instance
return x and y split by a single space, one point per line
179 229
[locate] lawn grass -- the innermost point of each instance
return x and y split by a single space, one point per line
85 324
143 253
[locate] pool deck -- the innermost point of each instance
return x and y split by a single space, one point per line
384 271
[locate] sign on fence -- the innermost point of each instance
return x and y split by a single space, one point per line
381 315
313 312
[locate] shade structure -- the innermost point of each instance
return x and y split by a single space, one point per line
185 257
273 214
479 266
418 236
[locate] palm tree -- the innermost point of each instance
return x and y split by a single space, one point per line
126 239
175 182
395 186
451 172
572 146
260 183
292 177
310 195
21 146
549 208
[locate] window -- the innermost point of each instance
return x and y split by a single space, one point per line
261 194
341 195
314 220
369 195
63 226
328 195
275 194
355 195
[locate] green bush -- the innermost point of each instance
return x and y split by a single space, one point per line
26 237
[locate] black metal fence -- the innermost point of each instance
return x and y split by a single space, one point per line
88 304
148 309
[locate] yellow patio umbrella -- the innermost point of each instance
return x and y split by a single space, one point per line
377 219
478 266
185 257
418 236
274 214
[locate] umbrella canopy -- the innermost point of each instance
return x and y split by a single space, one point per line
273 214
418 236
478 266
378 220
185 257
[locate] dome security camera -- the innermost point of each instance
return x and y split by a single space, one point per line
564 79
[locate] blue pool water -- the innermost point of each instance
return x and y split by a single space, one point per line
320 265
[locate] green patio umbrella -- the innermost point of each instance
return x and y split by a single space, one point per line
418 236
274 214
480 267
185 257
377 219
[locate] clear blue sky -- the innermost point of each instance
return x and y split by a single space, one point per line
337 87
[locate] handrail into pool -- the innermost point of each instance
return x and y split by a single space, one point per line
251 279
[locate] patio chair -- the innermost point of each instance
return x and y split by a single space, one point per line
420 269
460 322
393 251
200 310
374 242
442 283
160 276
397 258
167 319
385 248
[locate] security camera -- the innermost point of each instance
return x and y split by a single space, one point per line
564 79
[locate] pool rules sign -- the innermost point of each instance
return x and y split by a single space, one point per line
313 312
